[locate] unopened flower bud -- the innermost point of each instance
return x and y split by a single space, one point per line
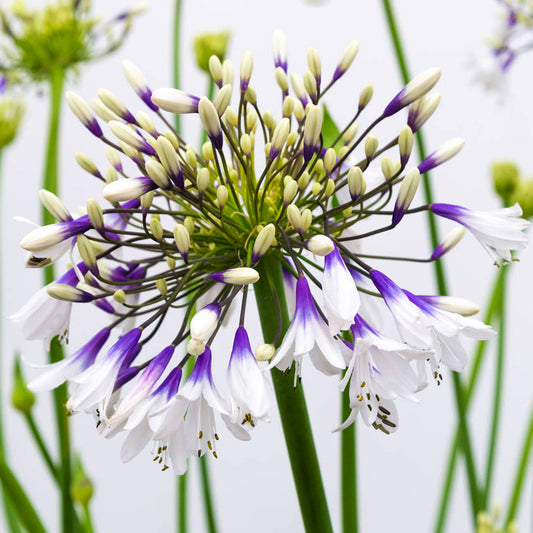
203 180
329 188
505 178
295 218
113 156
365 96
312 131
146 123
156 229
441 155
222 196
449 241
246 144
356 183
87 254
86 163
421 110
103 112
281 79
54 206
452 304
330 158
113 102
237 276
205 321
128 189
298 87
265 239
175 101
303 180
195 347
371 146
406 194
265 352
161 286
405 144
228 72
157 173
279 50
82 489
346 60
314 64
222 99
387 167
215 68
62 291
417 87
289 192
82 111
281 132
320 245
210 122
146 201
119 296
310 85
22 398
96 216
138 83
182 239
131 137
247 66
307 219
169 159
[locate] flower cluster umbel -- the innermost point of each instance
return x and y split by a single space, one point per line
186 232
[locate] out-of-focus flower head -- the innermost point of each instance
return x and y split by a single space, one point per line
37 41
512 38
11 112
206 45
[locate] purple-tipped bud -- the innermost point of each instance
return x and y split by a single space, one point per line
416 88
80 108
441 155
279 50
448 242
175 101
138 83
204 323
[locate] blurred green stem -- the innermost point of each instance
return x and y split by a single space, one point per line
51 183
349 504
497 394
490 316
10 517
176 34
520 475
39 441
440 276
270 295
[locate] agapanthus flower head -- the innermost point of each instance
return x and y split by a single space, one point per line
57 37
186 234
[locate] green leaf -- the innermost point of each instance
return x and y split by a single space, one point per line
20 501
330 130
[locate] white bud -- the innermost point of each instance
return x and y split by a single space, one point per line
86 251
157 173
222 99
204 323
449 241
210 121
441 155
156 229
128 135
281 79
279 49
194 346
246 144
86 163
310 84
307 218
94 211
289 192
405 143
279 137
222 196
228 72
312 130
135 77
203 180
422 109
295 218
330 158
182 239
371 145
347 59
215 68
113 156
452 304
175 101
54 206
288 106
237 276
104 112
356 182
168 156
115 104
247 66
128 189
80 108
265 239
406 194
314 63
320 245
298 87
365 96
265 352
146 123
62 291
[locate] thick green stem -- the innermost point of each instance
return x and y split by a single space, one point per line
497 395
50 183
439 269
520 474
349 507
10 516
269 294
472 382
176 35
181 488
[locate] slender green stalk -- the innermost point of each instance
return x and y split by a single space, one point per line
349 507
209 508
9 514
269 294
472 382
50 182
43 449
516 492
439 271
176 57
181 488
20 502
497 395
87 520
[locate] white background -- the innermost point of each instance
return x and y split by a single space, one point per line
399 475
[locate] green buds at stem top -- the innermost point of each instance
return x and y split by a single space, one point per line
206 45
505 179
22 398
